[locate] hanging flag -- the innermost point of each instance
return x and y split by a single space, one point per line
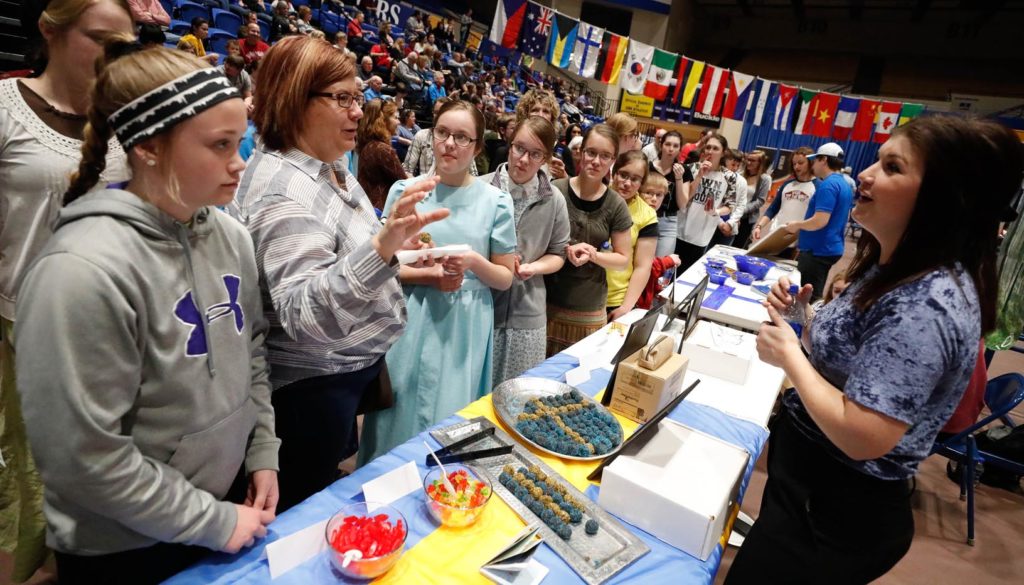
888 115
803 121
588 47
741 87
865 123
909 112
822 114
764 93
563 40
845 115
637 63
610 58
693 77
712 90
660 74
784 107
536 30
675 85
508 22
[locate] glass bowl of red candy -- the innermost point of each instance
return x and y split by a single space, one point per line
463 506
365 544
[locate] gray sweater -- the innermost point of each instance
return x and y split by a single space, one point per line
142 374
542 228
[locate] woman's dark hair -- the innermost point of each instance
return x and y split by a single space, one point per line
197 23
972 169
568 132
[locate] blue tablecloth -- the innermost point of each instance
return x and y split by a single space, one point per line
664 564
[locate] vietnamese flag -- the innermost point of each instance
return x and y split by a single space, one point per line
865 120
823 112
888 115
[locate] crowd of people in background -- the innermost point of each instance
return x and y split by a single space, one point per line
355 150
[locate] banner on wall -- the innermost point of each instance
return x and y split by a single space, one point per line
888 115
393 12
611 57
712 90
765 89
638 62
846 114
867 114
637 105
660 75
741 87
563 40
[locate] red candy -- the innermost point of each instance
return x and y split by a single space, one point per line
373 536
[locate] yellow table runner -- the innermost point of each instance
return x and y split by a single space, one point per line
448 553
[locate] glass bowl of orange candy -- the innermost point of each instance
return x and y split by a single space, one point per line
472 491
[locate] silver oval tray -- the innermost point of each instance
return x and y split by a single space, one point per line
511 396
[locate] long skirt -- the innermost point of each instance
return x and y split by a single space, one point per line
566 327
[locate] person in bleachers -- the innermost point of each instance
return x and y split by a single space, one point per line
305 20
408 71
253 47
341 43
282 25
366 70
407 130
355 34
199 31
379 165
149 12
234 69
151 35
414 24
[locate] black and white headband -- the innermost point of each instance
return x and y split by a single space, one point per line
161 109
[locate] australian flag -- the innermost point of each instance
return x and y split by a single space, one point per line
536 30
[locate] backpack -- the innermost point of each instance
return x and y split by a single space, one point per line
1006 442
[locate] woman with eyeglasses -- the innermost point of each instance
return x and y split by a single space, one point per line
542 232
626 286
598 241
444 360
328 273
711 196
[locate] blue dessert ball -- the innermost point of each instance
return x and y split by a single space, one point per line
591 527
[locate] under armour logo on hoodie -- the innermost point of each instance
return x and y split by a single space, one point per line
188 313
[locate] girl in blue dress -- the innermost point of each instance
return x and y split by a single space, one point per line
443 360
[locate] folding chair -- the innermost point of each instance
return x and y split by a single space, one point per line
1002 395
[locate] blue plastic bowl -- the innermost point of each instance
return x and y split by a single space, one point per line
716 263
717 276
759 267
744 277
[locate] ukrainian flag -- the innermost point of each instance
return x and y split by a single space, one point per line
563 40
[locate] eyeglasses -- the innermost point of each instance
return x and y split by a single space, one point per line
535 155
604 156
624 177
345 100
461 140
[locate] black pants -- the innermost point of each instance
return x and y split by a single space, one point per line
814 270
822 521
142 566
688 254
742 239
720 239
315 419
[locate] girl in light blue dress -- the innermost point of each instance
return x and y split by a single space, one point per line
443 360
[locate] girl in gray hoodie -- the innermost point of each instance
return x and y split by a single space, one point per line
139 336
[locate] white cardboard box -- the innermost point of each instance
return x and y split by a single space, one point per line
720 351
678 486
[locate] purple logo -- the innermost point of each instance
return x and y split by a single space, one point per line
188 313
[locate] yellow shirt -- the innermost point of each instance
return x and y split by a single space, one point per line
196 44
618 280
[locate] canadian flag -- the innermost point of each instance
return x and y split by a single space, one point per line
888 115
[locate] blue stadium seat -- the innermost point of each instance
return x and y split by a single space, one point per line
227 20
297 3
264 29
180 27
189 10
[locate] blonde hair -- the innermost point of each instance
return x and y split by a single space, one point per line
122 75
655 181
623 123
62 14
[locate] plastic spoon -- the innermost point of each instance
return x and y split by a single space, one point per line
444 474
